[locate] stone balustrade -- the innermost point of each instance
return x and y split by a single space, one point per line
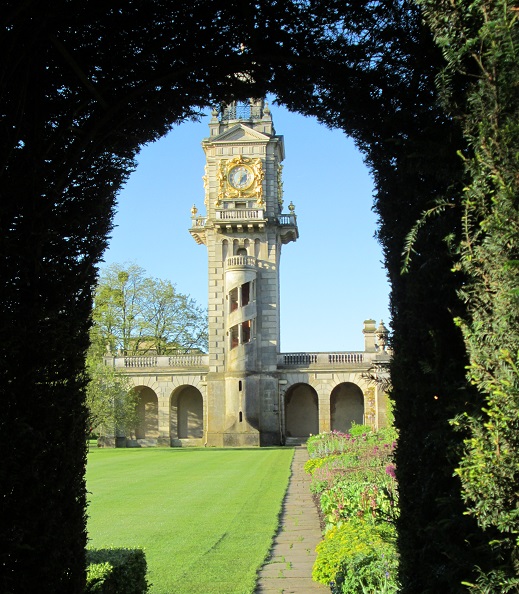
290 360
140 361
198 221
159 361
240 214
287 219
327 359
243 215
240 261
341 358
189 360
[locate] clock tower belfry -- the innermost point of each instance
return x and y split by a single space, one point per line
244 230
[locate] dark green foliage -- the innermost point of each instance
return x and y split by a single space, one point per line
377 83
82 87
116 571
481 38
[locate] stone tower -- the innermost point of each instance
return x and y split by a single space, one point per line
244 230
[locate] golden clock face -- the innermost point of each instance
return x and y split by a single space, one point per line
241 177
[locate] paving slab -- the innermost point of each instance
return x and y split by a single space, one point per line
288 569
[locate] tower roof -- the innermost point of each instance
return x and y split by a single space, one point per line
250 109
251 113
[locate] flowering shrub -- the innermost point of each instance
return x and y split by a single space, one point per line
336 442
358 557
326 470
314 463
358 458
371 501
325 444
354 474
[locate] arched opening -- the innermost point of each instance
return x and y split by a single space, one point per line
225 249
187 414
346 407
301 411
147 426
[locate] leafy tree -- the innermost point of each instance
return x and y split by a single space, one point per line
119 305
110 400
175 321
135 314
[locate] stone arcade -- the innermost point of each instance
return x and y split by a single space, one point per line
244 392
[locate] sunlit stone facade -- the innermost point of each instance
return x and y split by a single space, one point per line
244 392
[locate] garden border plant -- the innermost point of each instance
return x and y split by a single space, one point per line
353 476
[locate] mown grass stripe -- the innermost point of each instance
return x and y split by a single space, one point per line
206 517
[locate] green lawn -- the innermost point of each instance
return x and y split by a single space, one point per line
206 517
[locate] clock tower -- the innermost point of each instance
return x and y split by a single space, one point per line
244 230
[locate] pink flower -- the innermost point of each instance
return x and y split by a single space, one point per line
390 470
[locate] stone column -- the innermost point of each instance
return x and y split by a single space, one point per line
324 413
163 438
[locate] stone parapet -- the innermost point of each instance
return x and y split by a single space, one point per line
184 362
299 360
331 360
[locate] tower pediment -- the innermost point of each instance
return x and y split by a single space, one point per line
242 133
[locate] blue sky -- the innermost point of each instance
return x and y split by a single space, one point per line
332 278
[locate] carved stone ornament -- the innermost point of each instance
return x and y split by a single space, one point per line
205 179
221 177
371 410
280 186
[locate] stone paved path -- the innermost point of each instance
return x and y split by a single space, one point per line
289 568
